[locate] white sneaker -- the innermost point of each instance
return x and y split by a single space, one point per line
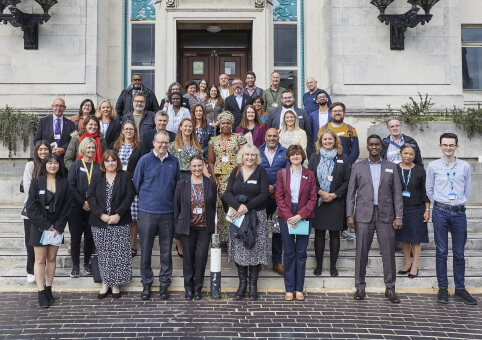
347 236
30 278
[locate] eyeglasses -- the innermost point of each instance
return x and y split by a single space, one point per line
410 145
139 101
58 106
447 146
136 79
337 111
161 143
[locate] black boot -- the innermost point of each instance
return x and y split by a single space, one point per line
253 283
243 281
43 300
48 291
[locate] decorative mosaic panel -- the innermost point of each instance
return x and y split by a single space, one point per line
285 10
143 10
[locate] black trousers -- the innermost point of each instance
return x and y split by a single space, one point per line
195 247
30 251
78 225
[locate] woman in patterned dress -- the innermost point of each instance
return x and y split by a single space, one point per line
249 180
128 147
222 153
110 197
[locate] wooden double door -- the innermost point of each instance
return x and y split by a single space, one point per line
197 64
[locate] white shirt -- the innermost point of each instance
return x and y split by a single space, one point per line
323 118
224 93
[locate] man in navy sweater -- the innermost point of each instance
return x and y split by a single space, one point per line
155 181
273 158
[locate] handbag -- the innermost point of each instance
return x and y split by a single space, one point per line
302 228
24 210
94 261
275 223
21 186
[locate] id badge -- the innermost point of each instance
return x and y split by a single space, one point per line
197 211
274 105
329 178
406 193
452 196
225 159
56 136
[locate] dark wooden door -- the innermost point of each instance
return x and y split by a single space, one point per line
197 64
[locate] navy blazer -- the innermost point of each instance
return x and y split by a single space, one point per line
279 162
341 174
36 203
122 196
315 125
45 131
182 206
231 105
78 181
112 133
149 137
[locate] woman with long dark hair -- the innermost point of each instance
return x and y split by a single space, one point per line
86 109
48 208
214 105
32 169
252 127
202 129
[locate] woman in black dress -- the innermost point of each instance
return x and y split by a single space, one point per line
195 224
332 172
416 210
48 207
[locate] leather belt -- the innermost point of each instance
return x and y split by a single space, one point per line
450 207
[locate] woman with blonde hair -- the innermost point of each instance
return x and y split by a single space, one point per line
109 126
291 133
332 171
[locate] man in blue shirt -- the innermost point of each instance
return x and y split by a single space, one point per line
273 158
309 98
448 187
155 181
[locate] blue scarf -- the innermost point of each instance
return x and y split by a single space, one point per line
325 169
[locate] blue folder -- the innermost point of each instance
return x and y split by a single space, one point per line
302 228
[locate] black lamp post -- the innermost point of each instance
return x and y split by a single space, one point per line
400 22
28 22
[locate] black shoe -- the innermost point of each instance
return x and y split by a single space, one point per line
404 272
359 294
101 296
317 271
412 276
116 295
48 291
133 252
253 283
188 296
198 296
43 300
443 295
465 297
392 296
333 272
88 269
243 282
75 273
164 293
146 292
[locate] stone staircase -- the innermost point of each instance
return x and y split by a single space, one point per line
13 261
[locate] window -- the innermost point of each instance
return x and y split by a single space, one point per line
472 58
143 52
285 45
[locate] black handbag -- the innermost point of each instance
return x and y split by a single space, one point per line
94 261
21 186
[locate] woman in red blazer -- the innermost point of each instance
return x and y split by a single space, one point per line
295 187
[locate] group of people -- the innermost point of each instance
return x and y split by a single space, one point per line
170 172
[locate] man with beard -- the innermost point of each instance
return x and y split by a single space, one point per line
224 89
276 117
125 102
273 159
374 203
237 102
142 118
272 95
321 116
310 100
251 89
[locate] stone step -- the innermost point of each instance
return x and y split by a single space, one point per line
346 260
16 242
268 281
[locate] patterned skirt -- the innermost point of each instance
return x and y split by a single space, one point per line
259 254
114 252
223 225
135 208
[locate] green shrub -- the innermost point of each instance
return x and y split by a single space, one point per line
15 124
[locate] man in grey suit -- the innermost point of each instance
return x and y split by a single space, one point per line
374 202
276 117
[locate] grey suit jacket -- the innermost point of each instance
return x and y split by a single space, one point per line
359 202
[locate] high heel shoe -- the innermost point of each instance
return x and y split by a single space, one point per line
412 276
179 249
317 271
403 272
100 296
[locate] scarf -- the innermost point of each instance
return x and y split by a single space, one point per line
98 149
325 169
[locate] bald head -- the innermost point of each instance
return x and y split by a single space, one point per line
58 107
272 138
311 84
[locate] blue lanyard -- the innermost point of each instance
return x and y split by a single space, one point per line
451 178
197 196
190 151
408 178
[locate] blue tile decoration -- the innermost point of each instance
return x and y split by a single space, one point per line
285 10
143 10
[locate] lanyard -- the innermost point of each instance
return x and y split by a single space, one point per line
451 177
190 150
272 95
408 178
89 174
197 196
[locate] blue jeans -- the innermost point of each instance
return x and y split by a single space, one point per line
455 222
